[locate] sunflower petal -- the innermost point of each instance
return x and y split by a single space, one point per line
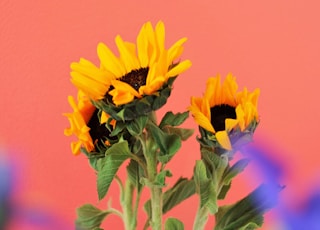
175 50
109 61
180 68
142 44
223 139
160 35
128 59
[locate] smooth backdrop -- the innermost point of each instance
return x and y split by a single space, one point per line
273 45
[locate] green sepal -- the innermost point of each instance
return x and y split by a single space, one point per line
139 106
205 188
237 137
136 126
246 213
172 119
110 164
173 224
90 217
117 129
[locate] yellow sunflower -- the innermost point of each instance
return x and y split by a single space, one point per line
141 68
222 109
81 121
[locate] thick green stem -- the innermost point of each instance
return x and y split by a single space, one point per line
156 194
129 218
201 218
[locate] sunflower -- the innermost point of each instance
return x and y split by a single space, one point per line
84 124
223 111
142 68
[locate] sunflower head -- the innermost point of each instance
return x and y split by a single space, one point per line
136 81
226 118
88 124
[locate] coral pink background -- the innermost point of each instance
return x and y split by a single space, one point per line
271 44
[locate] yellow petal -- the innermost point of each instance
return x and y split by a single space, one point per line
223 139
104 117
231 123
142 44
120 97
153 86
180 68
109 61
129 60
122 86
200 118
213 91
175 50
160 35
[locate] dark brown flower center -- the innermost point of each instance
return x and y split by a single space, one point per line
97 131
136 78
219 114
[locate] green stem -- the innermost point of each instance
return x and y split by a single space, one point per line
129 218
150 154
156 194
201 218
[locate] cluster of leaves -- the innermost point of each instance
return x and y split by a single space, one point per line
139 139
162 140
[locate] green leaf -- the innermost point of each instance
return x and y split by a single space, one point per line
136 126
119 127
237 168
173 224
134 174
206 188
90 217
161 178
248 212
224 190
169 144
184 134
215 164
179 192
172 119
114 158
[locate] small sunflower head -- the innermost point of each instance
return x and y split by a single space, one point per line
226 118
89 128
139 79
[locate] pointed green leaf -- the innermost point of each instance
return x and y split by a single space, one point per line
184 134
134 174
161 178
172 119
90 217
224 190
205 187
119 127
169 144
136 126
179 192
173 224
247 212
114 158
